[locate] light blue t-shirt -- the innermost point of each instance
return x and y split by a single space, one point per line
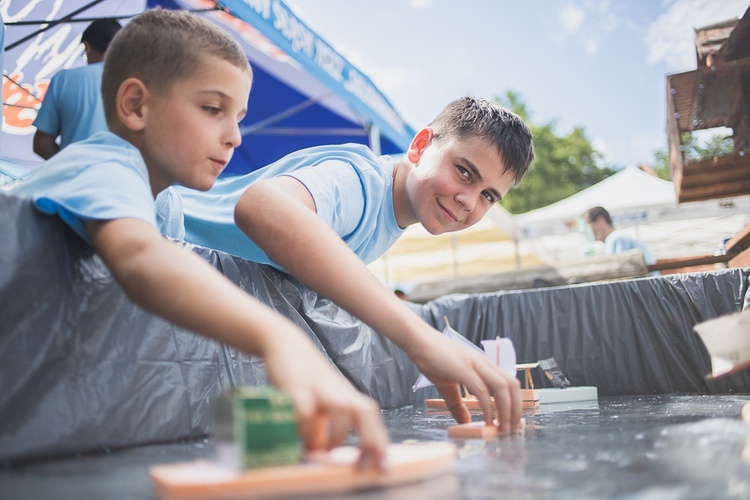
72 107
101 178
617 242
352 189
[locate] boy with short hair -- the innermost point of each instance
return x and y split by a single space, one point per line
175 88
615 241
72 107
315 211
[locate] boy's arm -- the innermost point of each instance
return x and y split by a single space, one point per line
179 286
278 214
45 145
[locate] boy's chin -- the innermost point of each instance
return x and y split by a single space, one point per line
435 231
202 185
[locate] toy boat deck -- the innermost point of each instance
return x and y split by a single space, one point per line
334 472
529 398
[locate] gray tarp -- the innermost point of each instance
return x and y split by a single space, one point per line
82 368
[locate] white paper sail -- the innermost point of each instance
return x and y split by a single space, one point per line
452 334
506 359
501 353
727 340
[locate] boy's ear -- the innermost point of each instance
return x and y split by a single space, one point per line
421 140
132 97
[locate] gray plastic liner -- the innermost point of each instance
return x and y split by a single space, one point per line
82 368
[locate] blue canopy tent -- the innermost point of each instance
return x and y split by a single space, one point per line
304 92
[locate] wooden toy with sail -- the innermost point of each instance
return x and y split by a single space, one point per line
501 353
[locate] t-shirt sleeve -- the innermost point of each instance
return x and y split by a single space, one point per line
337 190
169 215
104 191
47 118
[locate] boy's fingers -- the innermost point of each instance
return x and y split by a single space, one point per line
305 413
373 438
503 405
318 438
452 396
507 395
517 409
339 429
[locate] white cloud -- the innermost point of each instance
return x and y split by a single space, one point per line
420 4
590 45
600 145
587 22
671 38
571 17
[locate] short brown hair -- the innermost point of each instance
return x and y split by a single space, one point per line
470 117
594 213
161 46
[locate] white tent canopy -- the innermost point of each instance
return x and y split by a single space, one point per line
639 203
486 247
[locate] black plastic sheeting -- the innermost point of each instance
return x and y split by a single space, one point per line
626 337
82 368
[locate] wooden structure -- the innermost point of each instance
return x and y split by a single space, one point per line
716 94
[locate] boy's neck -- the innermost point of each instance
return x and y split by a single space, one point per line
157 185
402 208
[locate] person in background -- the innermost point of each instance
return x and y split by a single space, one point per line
615 241
72 108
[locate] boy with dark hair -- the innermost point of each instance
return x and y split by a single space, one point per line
175 88
97 37
319 213
614 241
72 106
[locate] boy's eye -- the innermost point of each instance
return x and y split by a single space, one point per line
488 196
462 171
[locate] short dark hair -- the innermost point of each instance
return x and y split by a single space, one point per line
473 117
100 33
594 213
162 46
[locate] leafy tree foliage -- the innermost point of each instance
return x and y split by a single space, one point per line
563 166
695 150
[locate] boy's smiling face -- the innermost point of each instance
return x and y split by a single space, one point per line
192 128
453 182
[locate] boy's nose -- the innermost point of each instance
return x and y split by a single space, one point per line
234 137
466 200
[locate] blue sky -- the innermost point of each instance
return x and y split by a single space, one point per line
599 64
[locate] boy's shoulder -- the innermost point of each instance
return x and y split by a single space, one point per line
93 70
332 151
98 157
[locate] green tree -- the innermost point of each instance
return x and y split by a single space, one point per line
695 150
563 166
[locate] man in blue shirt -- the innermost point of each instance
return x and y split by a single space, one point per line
614 241
72 108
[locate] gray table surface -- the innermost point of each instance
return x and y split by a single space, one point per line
660 447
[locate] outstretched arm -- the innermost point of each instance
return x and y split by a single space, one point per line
279 216
178 285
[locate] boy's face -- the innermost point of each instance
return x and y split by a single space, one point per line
454 181
599 228
192 128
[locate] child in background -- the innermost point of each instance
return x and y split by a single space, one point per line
321 213
175 88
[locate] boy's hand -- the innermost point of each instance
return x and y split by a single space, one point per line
448 364
327 406
151 270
